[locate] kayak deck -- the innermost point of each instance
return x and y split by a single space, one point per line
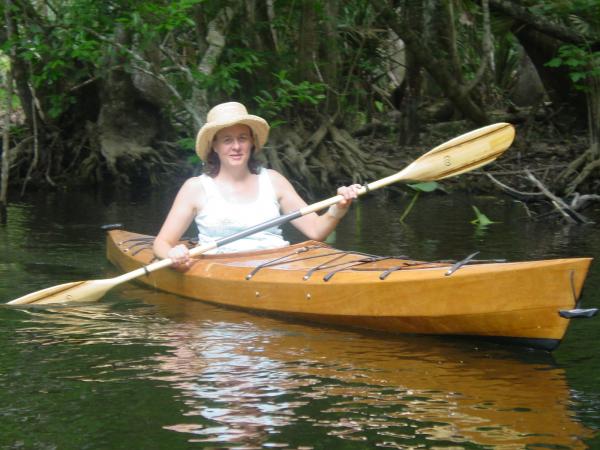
313 281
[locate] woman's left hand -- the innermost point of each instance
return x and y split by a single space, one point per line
349 193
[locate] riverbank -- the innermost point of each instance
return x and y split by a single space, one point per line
531 171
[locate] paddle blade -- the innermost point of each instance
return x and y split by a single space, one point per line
78 291
461 154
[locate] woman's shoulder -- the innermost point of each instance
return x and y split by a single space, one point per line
281 185
192 193
275 176
194 185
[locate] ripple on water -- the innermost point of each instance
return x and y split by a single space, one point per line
173 373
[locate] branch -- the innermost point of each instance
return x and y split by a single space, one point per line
271 16
452 42
8 98
216 40
177 66
137 57
540 23
515 193
36 141
580 201
487 49
567 212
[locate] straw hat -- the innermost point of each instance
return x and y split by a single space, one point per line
226 115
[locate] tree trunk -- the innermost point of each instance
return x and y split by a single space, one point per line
452 41
127 125
557 83
594 117
5 171
485 73
541 40
539 23
216 39
257 14
331 54
528 89
409 119
308 43
589 161
270 4
439 71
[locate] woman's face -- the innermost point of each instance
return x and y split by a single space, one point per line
233 145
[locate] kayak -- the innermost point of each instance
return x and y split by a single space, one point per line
527 302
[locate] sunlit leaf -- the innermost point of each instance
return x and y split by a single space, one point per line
425 186
481 219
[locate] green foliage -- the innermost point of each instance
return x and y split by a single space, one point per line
188 145
59 51
4 64
227 75
331 239
4 67
426 186
153 17
410 206
66 44
16 104
582 64
481 219
286 95
582 17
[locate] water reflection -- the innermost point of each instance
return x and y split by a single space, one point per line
262 382
167 371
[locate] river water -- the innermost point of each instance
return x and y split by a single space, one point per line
145 370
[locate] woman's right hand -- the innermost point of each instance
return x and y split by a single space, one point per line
180 255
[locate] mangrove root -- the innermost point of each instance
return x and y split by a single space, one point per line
326 158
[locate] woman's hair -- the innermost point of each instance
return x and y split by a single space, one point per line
213 164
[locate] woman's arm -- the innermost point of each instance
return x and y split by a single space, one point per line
185 207
312 225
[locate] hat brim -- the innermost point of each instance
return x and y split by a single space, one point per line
258 125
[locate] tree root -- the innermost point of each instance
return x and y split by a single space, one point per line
569 212
588 161
330 157
109 155
583 175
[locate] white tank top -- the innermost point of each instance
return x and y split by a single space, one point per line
220 218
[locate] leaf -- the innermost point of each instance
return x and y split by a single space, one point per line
409 207
482 220
425 186
331 238
554 62
187 143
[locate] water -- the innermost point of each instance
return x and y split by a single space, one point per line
143 369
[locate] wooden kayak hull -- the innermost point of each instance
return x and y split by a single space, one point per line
311 281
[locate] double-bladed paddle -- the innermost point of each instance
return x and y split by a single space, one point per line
461 154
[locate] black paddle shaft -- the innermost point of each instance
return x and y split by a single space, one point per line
260 227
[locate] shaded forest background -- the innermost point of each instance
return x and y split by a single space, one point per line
103 92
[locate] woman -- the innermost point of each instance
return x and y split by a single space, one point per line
235 193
